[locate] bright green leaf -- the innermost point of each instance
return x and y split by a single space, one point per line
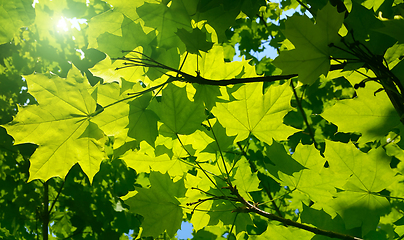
60 125
244 179
126 120
165 20
255 113
168 160
370 114
310 58
14 14
361 169
367 174
314 180
283 233
159 205
179 114
107 70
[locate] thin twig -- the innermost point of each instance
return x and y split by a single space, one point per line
250 208
306 7
300 107
210 179
221 154
232 226
57 196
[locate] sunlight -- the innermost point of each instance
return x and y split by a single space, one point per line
62 24
66 23
76 22
35 2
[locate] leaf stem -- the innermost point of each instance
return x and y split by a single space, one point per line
232 226
221 155
300 107
210 179
57 196
260 177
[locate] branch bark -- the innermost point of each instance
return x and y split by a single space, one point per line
45 213
254 209
145 61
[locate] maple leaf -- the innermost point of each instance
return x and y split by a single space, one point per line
371 115
167 160
256 113
311 177
179 114
125 120
245 180
60 125
14 15
195 41
165 20
359 204
311 56
159 205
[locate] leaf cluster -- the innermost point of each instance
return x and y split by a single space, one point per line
141 119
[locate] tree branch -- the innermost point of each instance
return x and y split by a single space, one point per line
45 214
145 61
254 209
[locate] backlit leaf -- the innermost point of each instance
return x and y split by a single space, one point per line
179 114
370 114
14 15
256 113
310 58
360 204
159 205
60 125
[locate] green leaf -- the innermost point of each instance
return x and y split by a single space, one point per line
107 70
322 220
126 120
107 22
310 177
280 161
244 179
60 125
208 94
393 29
375 4
256 113
179 114
310 58
361 169
169 160
369 114
221 15
126 38
166 20
359 204
222 141
283 233
211 65
14 15
365 28
159 205
194 41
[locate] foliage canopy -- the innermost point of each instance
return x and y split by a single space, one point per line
125 118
